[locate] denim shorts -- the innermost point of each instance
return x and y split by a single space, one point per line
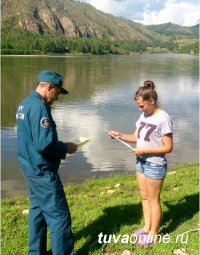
151 170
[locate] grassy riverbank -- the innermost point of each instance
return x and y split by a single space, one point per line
112 206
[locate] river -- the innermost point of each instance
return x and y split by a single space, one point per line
101 96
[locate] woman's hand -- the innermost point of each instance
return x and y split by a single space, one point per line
138 151
166 148
113 134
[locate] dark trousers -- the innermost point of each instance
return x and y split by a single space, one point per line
48 208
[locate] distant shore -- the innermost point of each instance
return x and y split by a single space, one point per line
82 54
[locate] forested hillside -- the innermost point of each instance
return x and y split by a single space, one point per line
66 26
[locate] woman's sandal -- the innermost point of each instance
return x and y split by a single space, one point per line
139 232
146 240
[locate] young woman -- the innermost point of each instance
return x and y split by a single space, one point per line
153 136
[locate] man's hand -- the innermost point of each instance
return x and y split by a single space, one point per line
71 148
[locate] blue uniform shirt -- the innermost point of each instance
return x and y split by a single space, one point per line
38 145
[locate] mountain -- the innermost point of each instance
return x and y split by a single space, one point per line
195 30
71 19
64 26
175 31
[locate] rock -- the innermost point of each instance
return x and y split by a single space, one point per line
110 191
25 212
172 172
117 185
180 252
126 252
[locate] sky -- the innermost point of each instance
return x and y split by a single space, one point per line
147 12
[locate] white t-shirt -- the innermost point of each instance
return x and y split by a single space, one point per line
151 130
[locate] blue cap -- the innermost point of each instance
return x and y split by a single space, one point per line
54 78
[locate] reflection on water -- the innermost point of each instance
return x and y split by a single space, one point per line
100 99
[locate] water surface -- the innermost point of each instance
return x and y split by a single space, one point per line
101 98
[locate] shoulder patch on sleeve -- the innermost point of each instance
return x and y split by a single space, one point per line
45 123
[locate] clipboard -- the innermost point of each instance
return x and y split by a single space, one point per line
126 144
81 140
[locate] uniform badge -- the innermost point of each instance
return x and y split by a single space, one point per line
45 123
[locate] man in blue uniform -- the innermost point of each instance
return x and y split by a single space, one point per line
40 153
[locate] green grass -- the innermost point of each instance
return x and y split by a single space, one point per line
95 209
186 41
188 46
157 50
